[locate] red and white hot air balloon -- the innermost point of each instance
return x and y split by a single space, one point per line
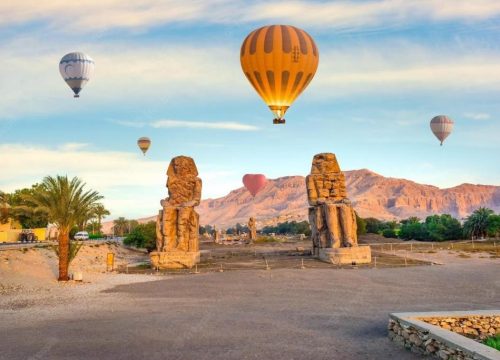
254 183
441 126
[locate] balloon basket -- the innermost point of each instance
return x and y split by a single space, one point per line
76 96
279 121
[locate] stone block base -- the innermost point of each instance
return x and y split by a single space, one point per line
174 259
348 255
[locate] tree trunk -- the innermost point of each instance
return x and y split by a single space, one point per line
63 254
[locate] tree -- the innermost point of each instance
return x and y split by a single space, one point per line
143 236
100 212
412 228
4 208
373 225
476 225
63 200
493 226
361 224
24 211
121 226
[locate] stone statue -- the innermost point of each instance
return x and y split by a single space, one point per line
177 222
216 235
331 216
252 229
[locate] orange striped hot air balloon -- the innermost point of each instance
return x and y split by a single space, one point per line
279 61
144 143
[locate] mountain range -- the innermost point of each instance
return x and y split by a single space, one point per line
373 195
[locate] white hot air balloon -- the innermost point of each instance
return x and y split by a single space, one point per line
76 68
441 126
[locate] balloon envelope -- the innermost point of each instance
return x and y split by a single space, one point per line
441 126
76 68
279 61
144 143
254 183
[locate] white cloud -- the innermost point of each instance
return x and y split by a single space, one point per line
131 184
203 125
73 146
102 15
477 116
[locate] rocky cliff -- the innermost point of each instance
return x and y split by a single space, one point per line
373 195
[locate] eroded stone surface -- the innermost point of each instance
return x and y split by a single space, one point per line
332 218
177 222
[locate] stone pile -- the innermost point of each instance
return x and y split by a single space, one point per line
474 327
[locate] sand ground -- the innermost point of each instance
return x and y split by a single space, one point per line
253 314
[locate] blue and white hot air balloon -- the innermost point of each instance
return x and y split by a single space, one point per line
76 68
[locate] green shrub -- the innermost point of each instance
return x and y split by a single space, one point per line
389 233
143 236
493 341
96 236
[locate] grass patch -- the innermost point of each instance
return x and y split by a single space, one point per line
493 342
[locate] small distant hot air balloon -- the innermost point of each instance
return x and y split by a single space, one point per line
76 68
144 143
279 61
441 126
254 183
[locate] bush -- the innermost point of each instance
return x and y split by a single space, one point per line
493 341
96 236
143 236
361 224
290 228
389 233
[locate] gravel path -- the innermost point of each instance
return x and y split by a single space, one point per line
276 314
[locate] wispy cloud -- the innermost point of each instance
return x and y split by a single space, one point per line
132 185
127 123
73 146
203 125
477 116
102 15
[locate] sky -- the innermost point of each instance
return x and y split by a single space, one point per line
169 70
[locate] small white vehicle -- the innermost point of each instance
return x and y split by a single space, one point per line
81 235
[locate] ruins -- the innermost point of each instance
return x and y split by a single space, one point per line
331 215
177 243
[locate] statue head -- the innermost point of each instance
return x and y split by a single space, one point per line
182 166
324 163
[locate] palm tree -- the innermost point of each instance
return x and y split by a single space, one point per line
121 225
476 224
100 212
65 201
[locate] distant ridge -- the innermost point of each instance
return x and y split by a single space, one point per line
373 195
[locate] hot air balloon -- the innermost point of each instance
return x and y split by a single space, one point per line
254 183
76 68
279 61
144 143
441 126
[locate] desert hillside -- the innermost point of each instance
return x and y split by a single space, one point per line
373 195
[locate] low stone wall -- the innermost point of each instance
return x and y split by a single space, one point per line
422 333
474 327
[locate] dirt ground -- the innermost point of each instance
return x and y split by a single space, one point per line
281 313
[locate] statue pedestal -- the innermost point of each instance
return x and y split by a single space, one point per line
346 255
174 259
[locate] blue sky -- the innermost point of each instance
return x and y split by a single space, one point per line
170 70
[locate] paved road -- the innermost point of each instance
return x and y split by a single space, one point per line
277 314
